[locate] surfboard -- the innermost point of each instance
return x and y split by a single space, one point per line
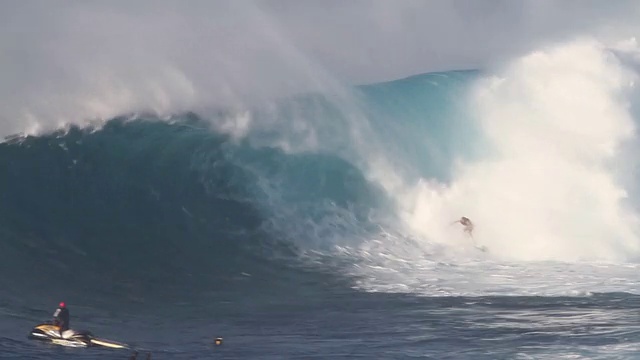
108 343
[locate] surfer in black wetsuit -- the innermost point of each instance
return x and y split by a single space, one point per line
468 225
61 317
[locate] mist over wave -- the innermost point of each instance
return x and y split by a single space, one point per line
78 61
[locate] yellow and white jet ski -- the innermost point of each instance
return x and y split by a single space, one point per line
72 338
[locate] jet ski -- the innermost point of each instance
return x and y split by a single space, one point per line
71 338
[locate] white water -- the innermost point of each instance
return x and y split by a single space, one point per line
548 198
555 122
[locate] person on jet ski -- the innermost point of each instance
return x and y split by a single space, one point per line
61 317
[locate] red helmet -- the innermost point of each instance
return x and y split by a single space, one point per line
62 304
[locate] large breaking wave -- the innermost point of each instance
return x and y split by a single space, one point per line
363 182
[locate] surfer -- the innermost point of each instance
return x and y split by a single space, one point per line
468 228
468 225
61 317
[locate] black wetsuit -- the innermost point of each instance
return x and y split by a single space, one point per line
61 318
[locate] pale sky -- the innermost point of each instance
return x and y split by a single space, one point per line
62 59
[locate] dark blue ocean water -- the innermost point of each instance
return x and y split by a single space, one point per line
165 234
346 324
